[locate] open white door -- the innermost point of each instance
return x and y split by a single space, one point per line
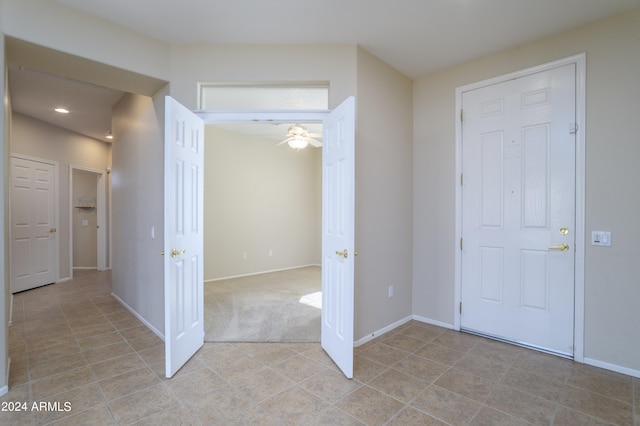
183 235
338 212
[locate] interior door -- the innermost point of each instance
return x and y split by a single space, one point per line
183 235
33 224
518 210
338 212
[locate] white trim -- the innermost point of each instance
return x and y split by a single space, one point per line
580 62
433 322
5 389
382 331
240 116
140 317
260 273
10 309
612 367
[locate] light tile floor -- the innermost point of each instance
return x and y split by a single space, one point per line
73 343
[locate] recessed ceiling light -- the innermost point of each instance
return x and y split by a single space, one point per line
109 135
62 110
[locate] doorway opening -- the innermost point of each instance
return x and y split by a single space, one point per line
263 233
263 195
87 221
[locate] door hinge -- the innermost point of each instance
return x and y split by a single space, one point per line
461 174
460 307
460 243
461 115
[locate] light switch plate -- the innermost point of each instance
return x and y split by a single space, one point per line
601 238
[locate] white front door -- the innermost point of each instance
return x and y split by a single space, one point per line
518 210
34 254
338 212
183 235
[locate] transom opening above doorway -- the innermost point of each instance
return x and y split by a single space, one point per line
269 98
251 96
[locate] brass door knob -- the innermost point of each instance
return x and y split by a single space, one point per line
561 247
175 252
344 253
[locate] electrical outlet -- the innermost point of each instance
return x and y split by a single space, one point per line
601 238
244 255
270 253
390 291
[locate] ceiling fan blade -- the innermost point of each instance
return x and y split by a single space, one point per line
314 142
315 135
283 142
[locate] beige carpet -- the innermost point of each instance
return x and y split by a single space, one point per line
272 307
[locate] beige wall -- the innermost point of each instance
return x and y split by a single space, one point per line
38 139
612 175
259 197
218 64
138 205
384 187
59 27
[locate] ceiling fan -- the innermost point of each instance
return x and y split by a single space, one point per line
298 137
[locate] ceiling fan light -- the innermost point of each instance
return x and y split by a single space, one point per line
298 143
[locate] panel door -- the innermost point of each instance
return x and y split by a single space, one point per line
338 212
518 210
183 233
33 224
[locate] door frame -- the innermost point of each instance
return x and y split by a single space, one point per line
272 116
580 63
101 217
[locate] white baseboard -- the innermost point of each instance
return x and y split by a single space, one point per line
380 332
137 315
62 280
432 322
259 273
5 388
85 268
612 367
11 310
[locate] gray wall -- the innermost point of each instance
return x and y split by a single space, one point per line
5 120
138 205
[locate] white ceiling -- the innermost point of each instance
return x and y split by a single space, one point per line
414 36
